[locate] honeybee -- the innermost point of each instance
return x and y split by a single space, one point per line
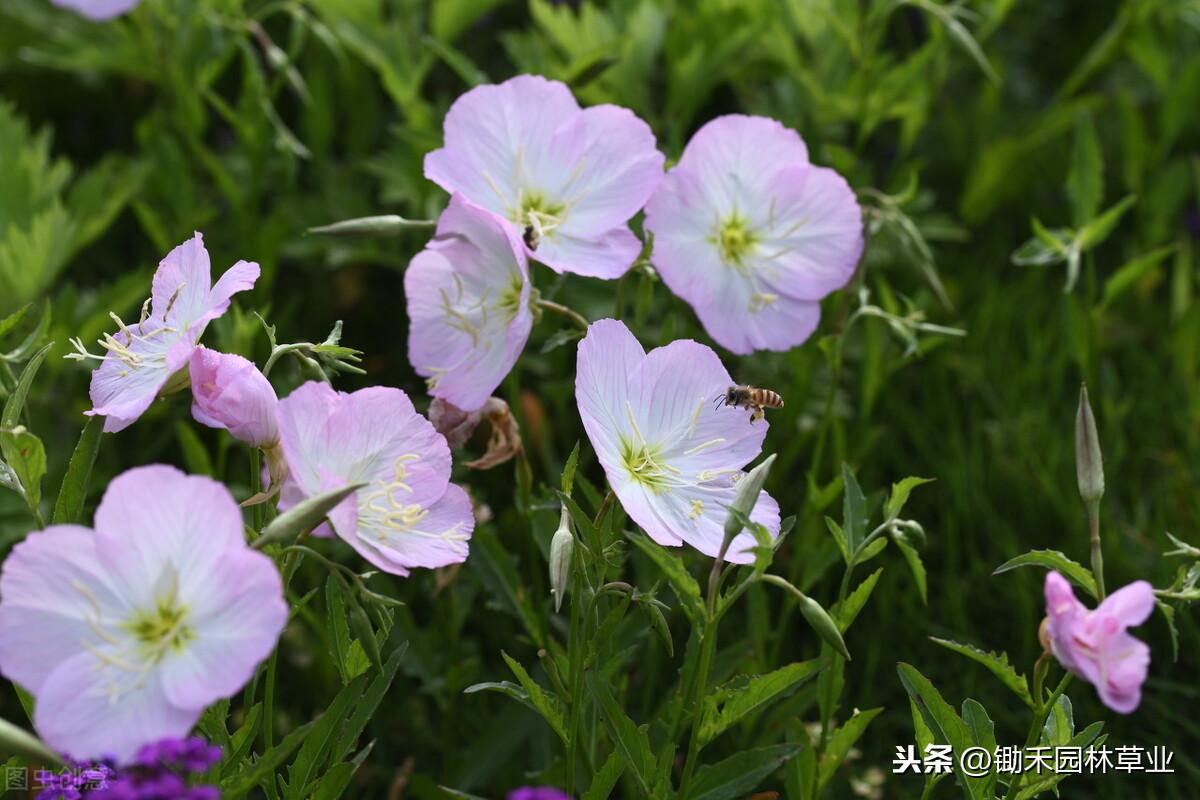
751 397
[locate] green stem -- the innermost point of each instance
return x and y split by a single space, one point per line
569 313
280 350
708 643
1035 730
1093 512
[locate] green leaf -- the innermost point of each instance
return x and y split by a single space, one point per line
854 511
72 494
1085 180
1133 271
900 493
195 455
250 776
16 401
334 782
983 734
943 722
728 705
841 741
496 570
1059 728
320 739
1168 612
368 704
682 583
847 611
27 457
605 779
544 704
631 741
996 663
13 319
839 536
1096 231
915 566
738 775
568 473
1055 560
304 516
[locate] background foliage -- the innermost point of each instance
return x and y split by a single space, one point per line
957 123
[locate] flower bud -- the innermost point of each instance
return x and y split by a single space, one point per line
820 621
1089 465
745 497
229 392
562 547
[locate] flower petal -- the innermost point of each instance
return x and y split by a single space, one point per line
439 538
742 321
608 355
55 594
76 715
607 255
183 293
468 306
1130 605
236 618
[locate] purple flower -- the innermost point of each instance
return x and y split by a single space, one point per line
671 455
538 793
565 179
468 305
97 9
1094 644
141 358
126 633
409 515
229 392
752 235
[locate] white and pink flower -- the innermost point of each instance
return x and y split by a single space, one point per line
752 235
671 454
126 633
565 179
408 515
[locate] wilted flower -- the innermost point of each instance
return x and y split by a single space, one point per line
1094 644
229 392
671 455
126 634
565 179
98 9
752 235
409 515
141 358
468 305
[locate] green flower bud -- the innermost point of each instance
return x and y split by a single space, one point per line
824 625
745 498
562 547
1089 464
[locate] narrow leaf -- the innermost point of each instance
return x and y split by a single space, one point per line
1055 560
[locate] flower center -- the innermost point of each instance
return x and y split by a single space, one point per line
161 629
644 465
537 217
383 510
509 302
735 240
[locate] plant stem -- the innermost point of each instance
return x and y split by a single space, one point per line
1039 719
569 313
708 643
1093 512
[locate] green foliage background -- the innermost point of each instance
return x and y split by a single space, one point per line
252 121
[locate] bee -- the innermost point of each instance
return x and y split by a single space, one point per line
531 238
751 397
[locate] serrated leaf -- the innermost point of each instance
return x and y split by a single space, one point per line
727 706
682 583
737 776
915 566
1055 560
72 494
544 704
368 704
320 739
847 611
250 776
605 779
631 741
854 510
944 723
996 663
841 741
900 494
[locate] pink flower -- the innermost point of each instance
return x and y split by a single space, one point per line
142 358
468 305
98 9
671 455
564 178
409 514
752 235
126 633
229 392
1094 644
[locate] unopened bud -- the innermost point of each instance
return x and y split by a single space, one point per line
824 625
1044 634
1089 465
745 497
562 547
